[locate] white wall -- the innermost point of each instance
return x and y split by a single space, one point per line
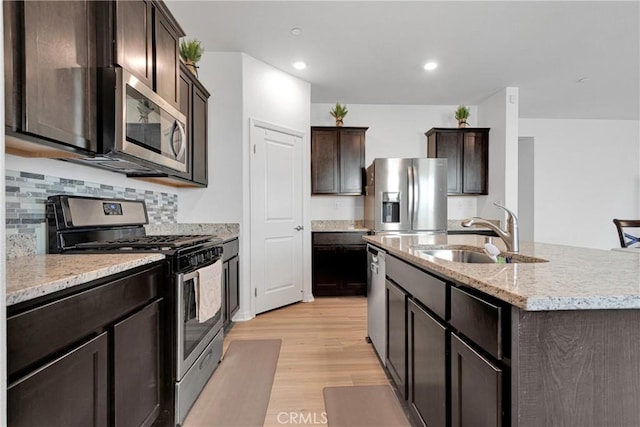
221 201
243 88
394 131
526 186
500 113
587 172
271 96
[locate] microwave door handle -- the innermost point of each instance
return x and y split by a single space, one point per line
180 152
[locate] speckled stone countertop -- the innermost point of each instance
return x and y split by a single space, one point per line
572 279
356 225
30 277
225 231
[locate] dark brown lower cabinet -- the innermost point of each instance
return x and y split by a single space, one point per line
427 356
476 388
69 391
396 330
136 367
339 264
231 281
91 356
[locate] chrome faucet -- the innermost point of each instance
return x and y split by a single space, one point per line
510 236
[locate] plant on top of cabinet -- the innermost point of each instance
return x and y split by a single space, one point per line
191 52
339 112
462 114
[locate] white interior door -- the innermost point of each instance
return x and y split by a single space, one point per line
276 216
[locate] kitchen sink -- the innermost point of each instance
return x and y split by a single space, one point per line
465 255
457 255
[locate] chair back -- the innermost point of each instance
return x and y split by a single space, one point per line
628 232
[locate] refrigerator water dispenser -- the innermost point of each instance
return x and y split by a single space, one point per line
390 207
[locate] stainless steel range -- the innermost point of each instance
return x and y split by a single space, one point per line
92 225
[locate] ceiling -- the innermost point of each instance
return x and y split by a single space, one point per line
373 52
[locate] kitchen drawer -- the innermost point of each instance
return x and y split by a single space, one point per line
425 288
478 320
38 333
229 249
339 238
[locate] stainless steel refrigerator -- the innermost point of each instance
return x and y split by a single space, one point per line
406 196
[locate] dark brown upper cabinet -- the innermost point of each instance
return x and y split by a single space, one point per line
146 38
194 99
337 160
52 51
467 151
50 77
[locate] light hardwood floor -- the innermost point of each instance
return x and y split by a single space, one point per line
323 344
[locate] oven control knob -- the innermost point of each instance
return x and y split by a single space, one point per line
193 261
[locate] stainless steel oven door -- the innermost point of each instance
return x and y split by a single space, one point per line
148 127
192 336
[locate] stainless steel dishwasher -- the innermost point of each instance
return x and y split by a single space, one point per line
375 301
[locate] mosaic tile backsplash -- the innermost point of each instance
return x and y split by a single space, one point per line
26 196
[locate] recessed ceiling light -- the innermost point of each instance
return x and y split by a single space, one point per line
299 65
296 31
430 66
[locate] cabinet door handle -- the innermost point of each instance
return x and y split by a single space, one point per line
299 228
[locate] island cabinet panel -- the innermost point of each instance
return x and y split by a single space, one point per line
427 375
467 151
337 160
70 391
396 330
576 368
476 388
479 320
453 342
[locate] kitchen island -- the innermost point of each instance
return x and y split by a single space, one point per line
549 343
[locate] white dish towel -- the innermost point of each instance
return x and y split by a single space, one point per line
209 291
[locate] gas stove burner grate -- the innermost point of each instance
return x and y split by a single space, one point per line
148 242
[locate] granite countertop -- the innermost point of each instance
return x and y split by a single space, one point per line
338 225
224 231
572 279
30 277
453 226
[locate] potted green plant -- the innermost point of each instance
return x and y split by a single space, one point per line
462 114
339 112
191 52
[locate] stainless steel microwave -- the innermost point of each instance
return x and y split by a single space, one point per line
140 133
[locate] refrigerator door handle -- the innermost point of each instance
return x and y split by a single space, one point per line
410 200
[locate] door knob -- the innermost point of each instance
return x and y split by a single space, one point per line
298 228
